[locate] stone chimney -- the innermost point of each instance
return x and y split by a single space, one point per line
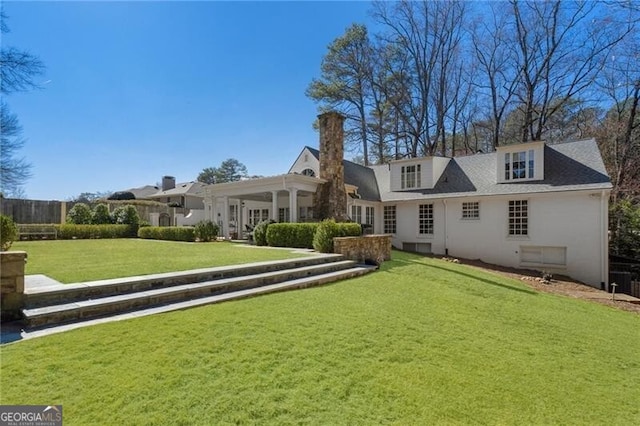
331 198
168 182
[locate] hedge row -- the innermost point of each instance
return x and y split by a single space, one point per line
170 233
299 235
85 232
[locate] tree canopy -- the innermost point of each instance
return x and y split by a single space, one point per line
230 170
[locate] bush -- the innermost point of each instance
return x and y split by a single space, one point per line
127 215
170 233
86 232
260 232
8 232
329 229
101 215
80 214
122 195
298 235
206 231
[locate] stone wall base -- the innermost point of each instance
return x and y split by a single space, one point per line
11 284
371 249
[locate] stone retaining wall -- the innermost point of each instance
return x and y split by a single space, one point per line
11 283
364 249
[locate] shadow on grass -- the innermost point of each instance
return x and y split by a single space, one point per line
399 263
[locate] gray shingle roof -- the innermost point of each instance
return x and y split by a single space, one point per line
355 174
567 166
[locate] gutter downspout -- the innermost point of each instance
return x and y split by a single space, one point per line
604 242
446 249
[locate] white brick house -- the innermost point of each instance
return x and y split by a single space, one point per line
532 205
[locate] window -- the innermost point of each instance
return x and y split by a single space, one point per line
518 218
257 215
356 214
425 219
233 212
309 172
306 214
410 177
283 214
389 219
471 210
519 165
369 215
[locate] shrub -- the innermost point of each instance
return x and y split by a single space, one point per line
260 232
170 233
329 229
8 232
80 214
85 232
101 215
299 235
127 215
206 230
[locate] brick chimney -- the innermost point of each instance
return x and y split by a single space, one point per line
168 182
330 198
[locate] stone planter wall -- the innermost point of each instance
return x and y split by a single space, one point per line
11 283
364 249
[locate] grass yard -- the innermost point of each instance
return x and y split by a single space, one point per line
420 342
70 261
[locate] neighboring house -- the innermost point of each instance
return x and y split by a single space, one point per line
187 199
531 205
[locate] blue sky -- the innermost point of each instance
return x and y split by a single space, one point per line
137 90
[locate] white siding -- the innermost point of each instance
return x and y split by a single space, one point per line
567 225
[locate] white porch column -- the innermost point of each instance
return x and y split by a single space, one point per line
239 220
293 204
225 217
274 206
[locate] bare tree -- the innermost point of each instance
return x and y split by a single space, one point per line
18 70
561 48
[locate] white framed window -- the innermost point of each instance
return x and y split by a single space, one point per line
471 210
254 216
265 214
518 217
306 214
410 176
389 213
356 214
519 165
283 214
233 212
369 215
425 219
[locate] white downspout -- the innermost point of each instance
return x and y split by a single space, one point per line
446 249
604 240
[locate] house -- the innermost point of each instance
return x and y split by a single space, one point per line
187 199
530 205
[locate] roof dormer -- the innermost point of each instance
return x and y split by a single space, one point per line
417 173
520 163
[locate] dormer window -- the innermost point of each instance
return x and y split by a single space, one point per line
519 165
410 176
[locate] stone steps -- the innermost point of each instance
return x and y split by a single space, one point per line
46 307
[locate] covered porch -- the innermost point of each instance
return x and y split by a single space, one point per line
238 206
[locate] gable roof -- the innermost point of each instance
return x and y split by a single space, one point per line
357 175
567 167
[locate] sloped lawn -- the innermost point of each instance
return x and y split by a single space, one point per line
70 261
420 342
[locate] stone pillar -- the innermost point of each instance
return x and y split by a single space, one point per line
11 283
331 199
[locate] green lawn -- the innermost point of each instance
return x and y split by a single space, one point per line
71 261
420 342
